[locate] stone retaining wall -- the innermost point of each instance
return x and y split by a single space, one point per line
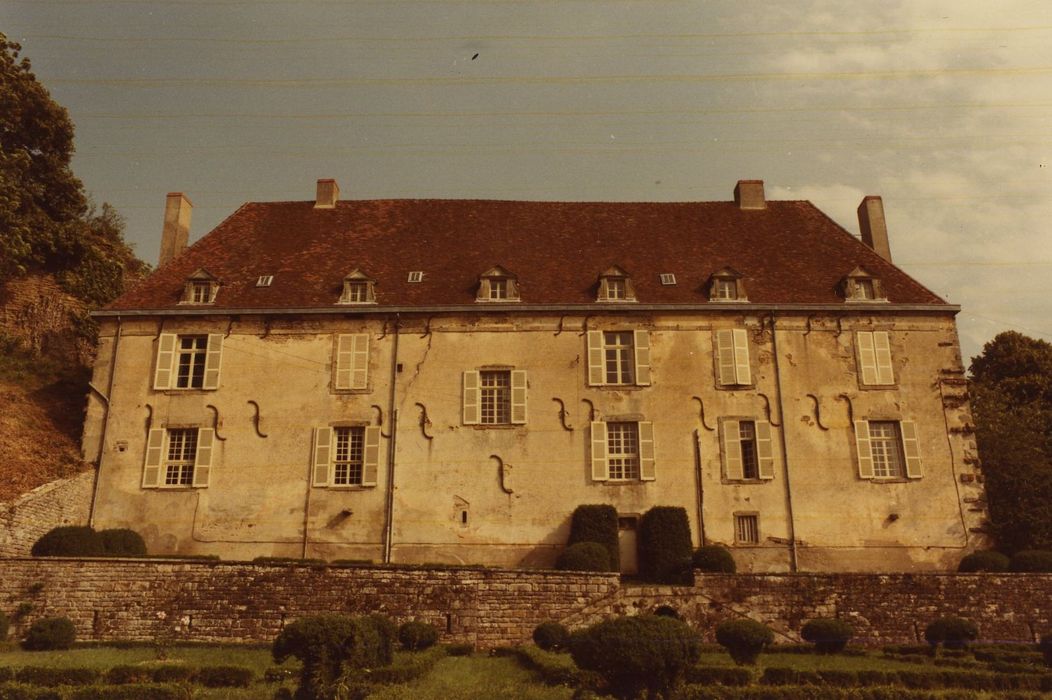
25 519
236 602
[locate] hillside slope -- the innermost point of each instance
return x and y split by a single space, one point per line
40 424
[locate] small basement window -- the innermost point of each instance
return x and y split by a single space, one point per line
264 280
746 528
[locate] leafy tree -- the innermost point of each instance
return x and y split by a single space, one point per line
48 222
1012 401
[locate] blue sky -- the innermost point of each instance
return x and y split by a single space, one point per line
943 108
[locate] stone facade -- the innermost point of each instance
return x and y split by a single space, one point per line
62 502
238 602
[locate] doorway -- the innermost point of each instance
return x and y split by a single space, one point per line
627 543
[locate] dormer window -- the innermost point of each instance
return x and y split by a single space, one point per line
860 285
497 285
358 288
726 285
201 288
615 285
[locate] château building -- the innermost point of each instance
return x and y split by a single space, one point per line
446 380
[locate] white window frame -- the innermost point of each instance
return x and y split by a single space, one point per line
170 356
732 357
415 277
158 460
761 442
668 279
631 365
264 280
473 397
324 455
904 442
495 392
602 453
348 460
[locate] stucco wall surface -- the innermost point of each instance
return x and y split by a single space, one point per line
170 600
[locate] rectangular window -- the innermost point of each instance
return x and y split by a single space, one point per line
750 458
348 465
622 449
190 361
356 293
866 289
618 351
886 447
746 528
732 357
182 450
498 289
874 357
264 280
725 288
668 279
496 397
616 289
351 362
416 276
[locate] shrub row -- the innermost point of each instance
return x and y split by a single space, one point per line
554 669
408 668
596 523
150 691
921 680
209 676
1025 561
719 675
83 541
701 692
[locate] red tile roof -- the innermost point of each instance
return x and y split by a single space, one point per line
788 253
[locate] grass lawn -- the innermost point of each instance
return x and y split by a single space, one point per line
468 677
101 657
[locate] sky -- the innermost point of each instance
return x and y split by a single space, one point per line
942 108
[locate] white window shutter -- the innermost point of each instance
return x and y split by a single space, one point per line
725 373
604 289
518 396
882 349
742 372
151 470
344 361
642 349
764 449
646 452
322 455
203 458
213 361
600 464
865 452
360 361
596 359
911 448
371 455
162 377
484 289
472 398
731 446
867 357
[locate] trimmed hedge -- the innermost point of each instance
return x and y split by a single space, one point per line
584 556
416 636
1032 561
224 676
951 632
405 668
149 691
719 675
551 636
50 633
830 636
69 541
985 560
554 669
597 523
664 546
635 654
49 677
744 640
714 558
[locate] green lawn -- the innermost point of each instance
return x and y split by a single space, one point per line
465 678
101 657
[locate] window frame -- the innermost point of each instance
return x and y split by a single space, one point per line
639 353
169 357
351 354
875 363
729 279
599 459
324 452
472 409
157 459
623 434
740 516
348 434
732 358
500 281
732 458
905 443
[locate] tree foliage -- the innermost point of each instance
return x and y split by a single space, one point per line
1012 401
48 222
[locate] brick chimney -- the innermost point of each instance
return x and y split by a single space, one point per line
176 232
748 194
873 226
328 194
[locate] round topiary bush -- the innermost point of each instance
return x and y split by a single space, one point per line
1032 561
986 560
50 633
951 632
714 559
415 636
551 636
122 542
639 654
744 640
69 541
584 556
829 636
